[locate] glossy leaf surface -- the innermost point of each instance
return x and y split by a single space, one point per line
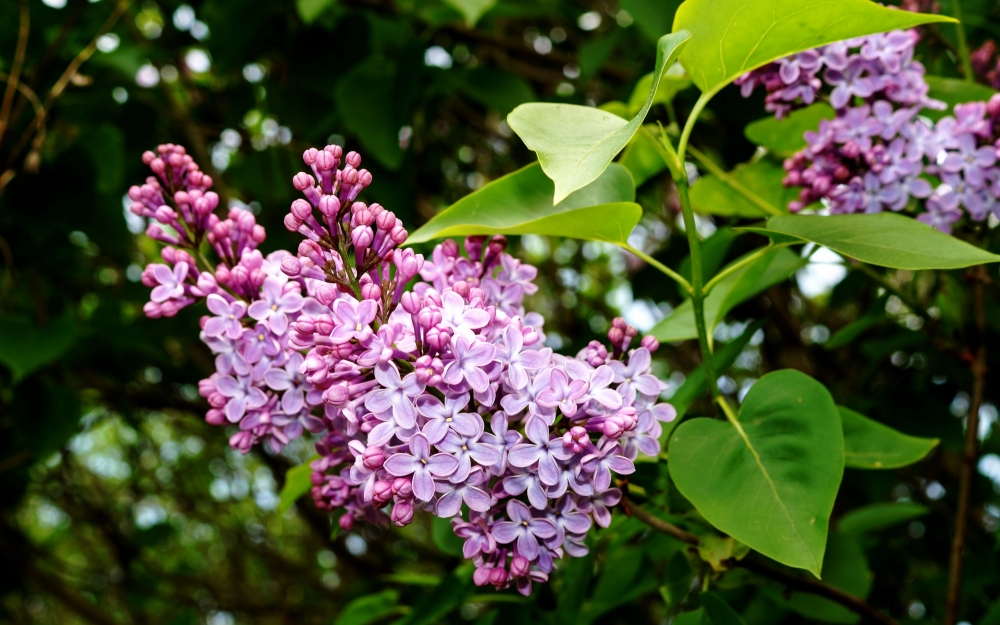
732 37
769 479
575 143
521 203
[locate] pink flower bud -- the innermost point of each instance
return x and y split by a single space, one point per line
411 302
362 237
329 206
462 288
519 566
302 181
498 577
336 395
371 291
353 159
346 521
481 576
382 491
650 343
215 417
402 488
373 457
326 295
402 514
428 318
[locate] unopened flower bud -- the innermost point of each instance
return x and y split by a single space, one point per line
402 487
498 577
402 514
373 457
519 566
411 302
650 343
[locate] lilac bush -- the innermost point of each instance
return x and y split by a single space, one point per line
878 153
435 396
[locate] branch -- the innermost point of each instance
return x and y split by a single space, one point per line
970 454
15 71
802 584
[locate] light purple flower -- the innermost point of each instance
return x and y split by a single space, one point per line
970 160
471 356
562 393
853 80
603 461
423 466
455 313
520 362
466 449
524 529
453 494
288 379
395 395
548 452
448 415
227 320
275 305
171 282
242 394
355 320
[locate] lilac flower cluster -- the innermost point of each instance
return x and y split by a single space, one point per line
877 154
440 397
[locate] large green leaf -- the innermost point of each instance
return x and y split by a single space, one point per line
845 567
366 100
309 10
576 143
954 91
718 611
673 81
870 445
785 136
297 484
877 516
718 196
521 203
770 477
24 346
773 267
883 239
643 156
732 37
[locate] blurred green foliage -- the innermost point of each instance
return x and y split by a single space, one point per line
119 505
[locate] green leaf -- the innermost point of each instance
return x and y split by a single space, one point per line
785 136
370 608
846 568
643 156
697 617
444 598
577 573
574 143
732 37
713 252
493 88
297 484
715 196
874 316
719 612
954 91
445 537
773 267
716 550
883 239
768 479
992 616
472 10
521 203
594 53
869 444
366 100
25 347
309 10
674 81
695 384
878 516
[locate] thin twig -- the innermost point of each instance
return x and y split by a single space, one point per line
15 70
970 454
734 184
802 584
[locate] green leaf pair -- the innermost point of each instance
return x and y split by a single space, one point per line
521 203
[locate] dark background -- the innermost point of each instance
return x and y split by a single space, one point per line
120 505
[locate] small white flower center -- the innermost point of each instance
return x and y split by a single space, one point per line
358 329
274 307
260 337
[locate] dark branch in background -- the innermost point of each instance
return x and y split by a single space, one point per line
802 584
15 71
970 453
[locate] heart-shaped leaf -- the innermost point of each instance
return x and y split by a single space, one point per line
297 484
576 143
732 37
521 203
472 10
785 136
773 267
869 444
769 477
883 239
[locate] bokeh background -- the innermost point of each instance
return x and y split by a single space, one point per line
120 505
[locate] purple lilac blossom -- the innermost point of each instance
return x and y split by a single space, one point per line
877 153
400 383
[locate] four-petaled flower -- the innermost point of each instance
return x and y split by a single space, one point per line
423 466
275 304
524 529
227 320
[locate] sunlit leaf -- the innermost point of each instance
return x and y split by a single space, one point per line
869 444
716 550
643 156
673 81
521 203
732 37
878 516
574 143
883 239
309 10
785 136
297 484
770 479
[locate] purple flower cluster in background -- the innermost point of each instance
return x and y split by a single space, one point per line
440 397
877 153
